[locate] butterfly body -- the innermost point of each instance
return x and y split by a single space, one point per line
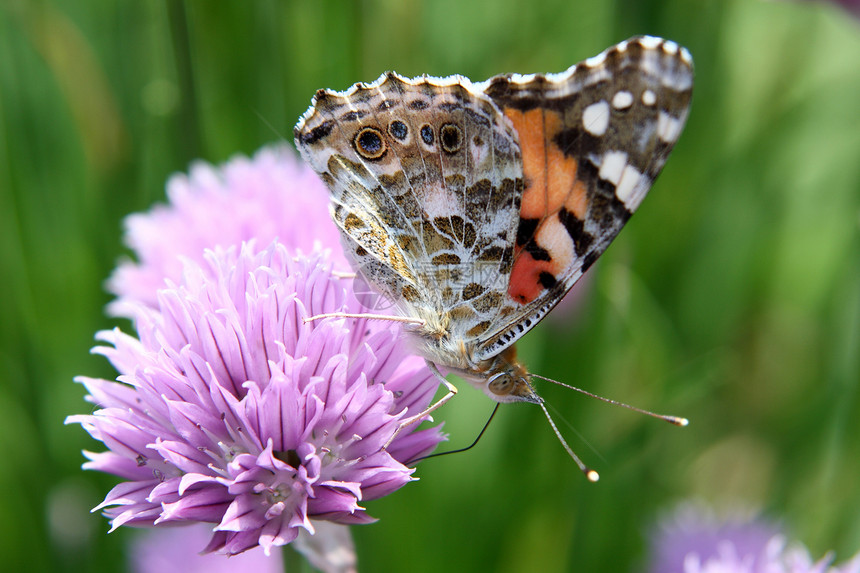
476 207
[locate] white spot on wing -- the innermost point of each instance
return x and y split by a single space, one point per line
595 118
670 47
648 97
685 55
668 128
649 42
552 236
612 166
522 78
624 190
595 61
622 100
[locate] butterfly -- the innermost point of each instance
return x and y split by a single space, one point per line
475 207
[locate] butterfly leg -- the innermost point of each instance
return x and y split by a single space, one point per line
343 275
416 321
452 390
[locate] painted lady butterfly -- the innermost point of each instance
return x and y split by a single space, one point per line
476 207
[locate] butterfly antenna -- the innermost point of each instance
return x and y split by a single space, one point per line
590 474
268 124
469 447
675 420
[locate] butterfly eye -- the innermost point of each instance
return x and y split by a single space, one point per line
369 144
398 130
501 384
451 138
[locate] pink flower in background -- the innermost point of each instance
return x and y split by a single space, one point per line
694 540
177 550
229 409
174 550
852 6
271 196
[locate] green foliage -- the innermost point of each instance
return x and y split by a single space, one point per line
733 297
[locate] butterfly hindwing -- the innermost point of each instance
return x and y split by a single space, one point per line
425 179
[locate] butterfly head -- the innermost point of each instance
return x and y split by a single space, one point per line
508 381
510 386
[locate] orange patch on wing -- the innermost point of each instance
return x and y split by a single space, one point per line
530 129
550 175
577 201
524 285
551 184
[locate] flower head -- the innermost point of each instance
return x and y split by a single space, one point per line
230 409
694 540
270 196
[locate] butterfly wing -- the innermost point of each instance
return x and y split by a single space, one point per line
425 180
593 140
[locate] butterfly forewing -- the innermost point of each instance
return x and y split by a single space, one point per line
426 181
594 139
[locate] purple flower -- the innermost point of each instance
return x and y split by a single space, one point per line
693 540
272 196
229 409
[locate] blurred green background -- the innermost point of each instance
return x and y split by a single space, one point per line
733 297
